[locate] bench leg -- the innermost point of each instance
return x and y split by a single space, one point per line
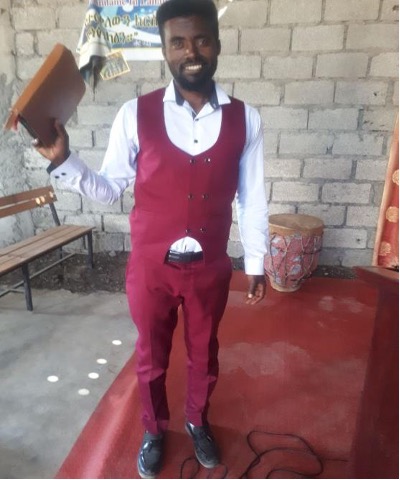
90 249
27 287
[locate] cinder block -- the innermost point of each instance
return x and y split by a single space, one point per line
245 14
378 120
101 137
24 43
148 87
47 40
301 11
331 215
143 70
80 138
357 258
294 192
335 119
390 10
374 170
270 142
318 38
229 41
93 220
116 223
282 168
69 201
329 168
93 158
288 67
72 16
330 256
348 10
277 208
358 144
128 200
305 143
362 216
309 92
395 97
385 65
383 36
27 67
258 93
284 118
33 159
117 90
34 18
234 234
97 114
91 206
345 238
108 242
342 65
235 249
361 93
239 66
358 193
265 40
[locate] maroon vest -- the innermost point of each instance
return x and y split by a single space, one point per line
178 195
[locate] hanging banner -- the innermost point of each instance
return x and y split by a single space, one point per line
128 27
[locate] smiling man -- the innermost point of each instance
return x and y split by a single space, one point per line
190 150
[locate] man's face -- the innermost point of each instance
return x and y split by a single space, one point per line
191 51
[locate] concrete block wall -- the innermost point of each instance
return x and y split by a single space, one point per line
323 74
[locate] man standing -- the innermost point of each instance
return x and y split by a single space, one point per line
190 149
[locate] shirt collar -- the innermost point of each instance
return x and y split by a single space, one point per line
218 97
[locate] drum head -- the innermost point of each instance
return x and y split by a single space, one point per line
287 223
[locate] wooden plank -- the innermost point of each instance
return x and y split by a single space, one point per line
24 201
30 240
27 195
57 237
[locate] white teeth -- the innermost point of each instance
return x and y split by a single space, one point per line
193 68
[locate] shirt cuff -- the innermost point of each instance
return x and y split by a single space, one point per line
254 266
70 168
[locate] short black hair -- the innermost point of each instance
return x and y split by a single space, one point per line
186 8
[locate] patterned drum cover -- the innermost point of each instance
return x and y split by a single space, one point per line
295 243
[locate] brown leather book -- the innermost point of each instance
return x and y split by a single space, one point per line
54 92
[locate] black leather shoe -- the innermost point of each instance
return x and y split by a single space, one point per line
150 455
204 444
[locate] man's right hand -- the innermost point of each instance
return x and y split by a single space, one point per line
59 151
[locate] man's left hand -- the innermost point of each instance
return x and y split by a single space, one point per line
256 291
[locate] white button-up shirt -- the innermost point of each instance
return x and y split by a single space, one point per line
193 133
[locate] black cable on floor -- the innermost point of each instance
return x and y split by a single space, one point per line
305 449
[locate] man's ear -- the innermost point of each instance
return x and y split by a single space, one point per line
163 51
218 46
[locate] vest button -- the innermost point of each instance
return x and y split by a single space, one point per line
192 160
203 230
190 196
205 196
207 160
188 230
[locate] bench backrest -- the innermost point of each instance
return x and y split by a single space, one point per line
20 202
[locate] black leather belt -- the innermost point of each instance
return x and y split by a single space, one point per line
185 257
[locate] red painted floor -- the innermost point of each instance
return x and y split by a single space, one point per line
292 366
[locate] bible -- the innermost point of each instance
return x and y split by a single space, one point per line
53 93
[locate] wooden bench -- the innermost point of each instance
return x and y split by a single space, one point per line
20 254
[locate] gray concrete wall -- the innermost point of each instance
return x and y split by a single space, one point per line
323 74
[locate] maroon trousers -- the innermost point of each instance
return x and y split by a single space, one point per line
155 291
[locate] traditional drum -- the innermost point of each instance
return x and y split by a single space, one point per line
295 243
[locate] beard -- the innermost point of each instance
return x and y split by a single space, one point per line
194 82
